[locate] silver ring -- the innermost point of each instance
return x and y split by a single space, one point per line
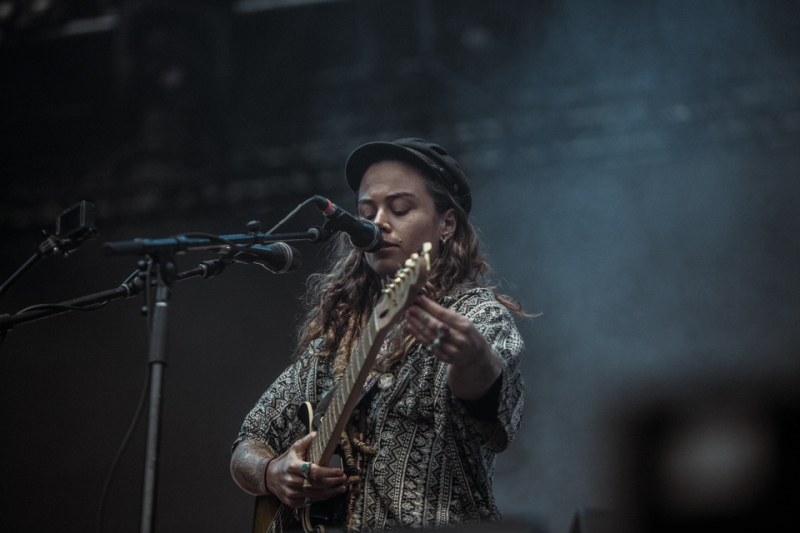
305 469
425 319
435 344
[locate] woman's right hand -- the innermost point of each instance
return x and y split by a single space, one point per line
285 477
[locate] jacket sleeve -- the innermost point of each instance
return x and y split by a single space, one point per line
273 420
496 426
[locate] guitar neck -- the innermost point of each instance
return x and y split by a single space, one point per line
343 402
395 298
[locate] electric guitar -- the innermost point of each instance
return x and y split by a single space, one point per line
272 516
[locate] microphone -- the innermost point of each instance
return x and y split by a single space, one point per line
363 234
278 257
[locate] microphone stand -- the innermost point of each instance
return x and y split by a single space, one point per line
164 264
164 267
163 251
162 254
157 360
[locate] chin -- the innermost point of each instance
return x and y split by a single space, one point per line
385 268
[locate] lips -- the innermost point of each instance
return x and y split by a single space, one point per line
386 248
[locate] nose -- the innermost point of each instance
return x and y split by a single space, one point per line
382 221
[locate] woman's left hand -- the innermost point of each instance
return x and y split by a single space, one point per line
472 364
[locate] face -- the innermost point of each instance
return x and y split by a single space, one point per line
393 196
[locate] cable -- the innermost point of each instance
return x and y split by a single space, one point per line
290 215
113 470
136 416
217 238
62 307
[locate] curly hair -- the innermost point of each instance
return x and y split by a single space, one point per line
339 300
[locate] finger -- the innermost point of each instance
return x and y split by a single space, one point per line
446 353
305 470
324 494
318 479
294 502
298 498
441 340
418 329
422 334
419 317
294 496
322 473
422 321
328 493
328 482
301 446
454 320
415 313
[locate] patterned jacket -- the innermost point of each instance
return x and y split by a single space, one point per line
435 453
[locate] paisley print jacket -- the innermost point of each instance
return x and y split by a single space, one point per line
435 457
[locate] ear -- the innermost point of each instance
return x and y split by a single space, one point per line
448 224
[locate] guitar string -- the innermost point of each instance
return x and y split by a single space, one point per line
336 405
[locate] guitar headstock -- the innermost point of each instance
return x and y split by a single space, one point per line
397 295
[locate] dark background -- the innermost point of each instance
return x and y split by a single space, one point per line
634 167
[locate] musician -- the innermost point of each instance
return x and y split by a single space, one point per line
445 395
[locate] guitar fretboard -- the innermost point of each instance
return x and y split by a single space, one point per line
354 376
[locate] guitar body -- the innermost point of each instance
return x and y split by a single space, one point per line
272 516
266 512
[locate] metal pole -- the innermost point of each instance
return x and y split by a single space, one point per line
157 361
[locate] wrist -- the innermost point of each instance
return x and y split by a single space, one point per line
473 381
266 475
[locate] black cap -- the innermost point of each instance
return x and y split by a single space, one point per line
431 158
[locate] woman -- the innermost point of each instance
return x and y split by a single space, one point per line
449 397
